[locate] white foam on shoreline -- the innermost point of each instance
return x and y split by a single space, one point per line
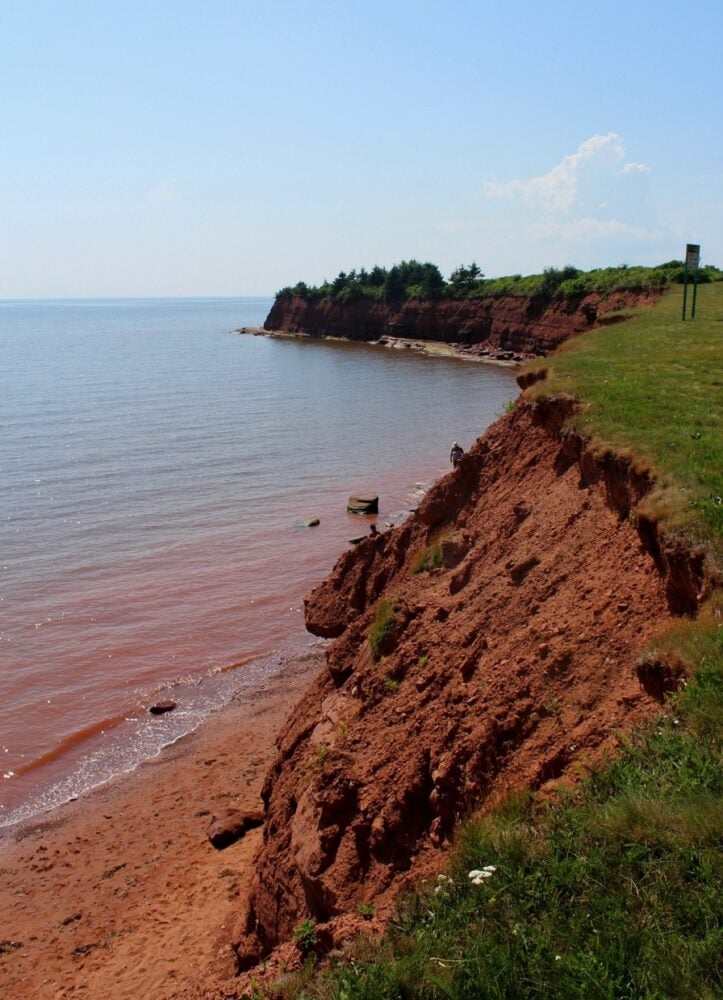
119 751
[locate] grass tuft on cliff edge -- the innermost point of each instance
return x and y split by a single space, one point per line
652 387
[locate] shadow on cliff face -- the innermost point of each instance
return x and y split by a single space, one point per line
513 664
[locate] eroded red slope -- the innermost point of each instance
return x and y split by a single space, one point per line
511 665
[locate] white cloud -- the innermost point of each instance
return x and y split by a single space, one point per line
636 168
593 194
579 182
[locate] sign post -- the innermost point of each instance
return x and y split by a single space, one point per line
692 261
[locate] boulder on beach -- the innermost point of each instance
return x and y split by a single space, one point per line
161 707
363 503
232 826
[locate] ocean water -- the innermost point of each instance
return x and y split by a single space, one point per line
154 470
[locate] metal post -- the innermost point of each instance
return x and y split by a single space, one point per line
685 290
695 292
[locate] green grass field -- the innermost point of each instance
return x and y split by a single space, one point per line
652 387
612 891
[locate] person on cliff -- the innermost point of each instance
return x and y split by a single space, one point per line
455 454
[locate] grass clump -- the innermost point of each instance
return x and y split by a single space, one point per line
429 558
652 387
382 627
612 891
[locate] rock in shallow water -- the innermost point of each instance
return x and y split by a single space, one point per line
363 503
161 707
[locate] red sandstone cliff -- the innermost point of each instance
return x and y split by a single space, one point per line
528 325
511 665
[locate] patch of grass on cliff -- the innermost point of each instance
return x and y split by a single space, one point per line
429 558
652 387
611 891
382 626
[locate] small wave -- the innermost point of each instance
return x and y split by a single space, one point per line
116 746
70 743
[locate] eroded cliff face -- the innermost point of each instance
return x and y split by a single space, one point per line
508 666
525 325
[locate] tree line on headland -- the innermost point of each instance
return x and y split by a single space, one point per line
414 280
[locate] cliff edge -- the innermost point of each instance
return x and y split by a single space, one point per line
492 642
532 325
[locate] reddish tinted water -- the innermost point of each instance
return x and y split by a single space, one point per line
155 470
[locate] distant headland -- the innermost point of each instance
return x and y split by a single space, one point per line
507 318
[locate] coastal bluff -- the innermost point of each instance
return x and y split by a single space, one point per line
527 325
493 642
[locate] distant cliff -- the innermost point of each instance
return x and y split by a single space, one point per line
526 325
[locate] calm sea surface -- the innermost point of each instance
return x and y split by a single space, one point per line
154 468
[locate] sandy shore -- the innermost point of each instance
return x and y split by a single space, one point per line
120 894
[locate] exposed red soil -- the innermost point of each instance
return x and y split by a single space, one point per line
512 665
525 325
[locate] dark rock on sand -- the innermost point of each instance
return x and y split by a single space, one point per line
161 707
232 826
7 946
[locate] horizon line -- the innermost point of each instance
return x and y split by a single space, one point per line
126 298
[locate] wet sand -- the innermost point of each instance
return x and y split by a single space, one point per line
120 894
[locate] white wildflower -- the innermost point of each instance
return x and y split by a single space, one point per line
477 874
558 958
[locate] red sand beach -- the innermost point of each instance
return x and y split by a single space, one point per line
120 894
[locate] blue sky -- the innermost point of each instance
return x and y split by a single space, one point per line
230 148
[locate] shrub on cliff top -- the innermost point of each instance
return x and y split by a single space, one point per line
414 280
